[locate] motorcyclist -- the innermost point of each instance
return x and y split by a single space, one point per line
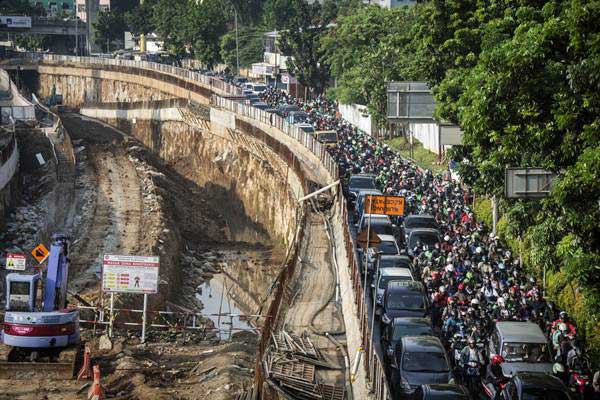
494 374
471 354
563 317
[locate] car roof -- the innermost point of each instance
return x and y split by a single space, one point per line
395 271
395 257
364 192
412 321
520 332
423 344
297 112
538 379
363 176
387 238
419 216
304 125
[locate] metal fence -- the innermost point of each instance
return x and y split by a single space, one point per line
373 363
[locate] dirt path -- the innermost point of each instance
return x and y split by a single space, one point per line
114 213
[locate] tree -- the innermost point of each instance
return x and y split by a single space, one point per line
366 50
250 47
110 26
301 40
139 18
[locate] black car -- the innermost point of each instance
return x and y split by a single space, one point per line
416 221
441 392
534 386
358 182
404 299
285 109
400 327
419 360
424 236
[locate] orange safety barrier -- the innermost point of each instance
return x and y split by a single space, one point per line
86 369
96 392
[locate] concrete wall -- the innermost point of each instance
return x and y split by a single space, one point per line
357 116
427 134
9 185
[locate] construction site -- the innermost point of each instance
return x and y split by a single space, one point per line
113 166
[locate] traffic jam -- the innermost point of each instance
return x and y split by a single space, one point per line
455 315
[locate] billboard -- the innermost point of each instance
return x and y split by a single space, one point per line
15 21
523 183
409 101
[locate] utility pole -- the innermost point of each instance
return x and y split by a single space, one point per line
142 36
237 49
76 32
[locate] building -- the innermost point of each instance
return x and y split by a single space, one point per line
94 5
54 7
391 3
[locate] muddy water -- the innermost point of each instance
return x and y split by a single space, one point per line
233 298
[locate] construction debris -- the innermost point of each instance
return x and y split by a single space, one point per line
291 364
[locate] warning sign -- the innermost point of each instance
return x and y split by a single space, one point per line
40 253
384 205
16 262
130 274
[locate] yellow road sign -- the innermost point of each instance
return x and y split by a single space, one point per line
384 205
40 253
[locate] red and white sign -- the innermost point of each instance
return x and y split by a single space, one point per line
16 262
130 274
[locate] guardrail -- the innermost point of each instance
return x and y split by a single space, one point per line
373 363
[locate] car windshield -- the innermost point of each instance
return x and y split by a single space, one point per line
420 223
543 394
526 352
396 301
424 362
411 330
328 137
429 239
259 88
392 262
388 248
362 183
383 229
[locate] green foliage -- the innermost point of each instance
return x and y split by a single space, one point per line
139 19
366 50
483 210
300 39
109 27
250 47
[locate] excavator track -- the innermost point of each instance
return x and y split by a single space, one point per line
62 369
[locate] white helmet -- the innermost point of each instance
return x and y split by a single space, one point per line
442 289
501 302
450 268
474 302
478 250
446 238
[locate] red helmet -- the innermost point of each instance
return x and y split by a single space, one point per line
461 286
497 359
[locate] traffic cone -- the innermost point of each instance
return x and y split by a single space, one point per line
96 392
86 369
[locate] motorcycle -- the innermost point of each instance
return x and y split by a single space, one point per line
581 384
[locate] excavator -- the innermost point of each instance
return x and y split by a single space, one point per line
41 337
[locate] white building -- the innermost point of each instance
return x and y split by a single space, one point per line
391 3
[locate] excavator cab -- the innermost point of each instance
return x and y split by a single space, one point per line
21 292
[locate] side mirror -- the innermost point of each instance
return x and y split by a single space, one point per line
372 286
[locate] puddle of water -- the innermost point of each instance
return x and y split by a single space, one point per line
216 299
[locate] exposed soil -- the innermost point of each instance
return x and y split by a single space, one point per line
128 201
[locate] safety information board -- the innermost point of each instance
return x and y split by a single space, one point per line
16 262
130 274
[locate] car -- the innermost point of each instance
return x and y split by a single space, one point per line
416 221
358 182
361 196
441 391
523 346
400 327
261 105
390 261
256 88
239 80
534 386
403 299
328 138
380 224
284 109
296 117
247 92
419 360
386 275
427 236
308 128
